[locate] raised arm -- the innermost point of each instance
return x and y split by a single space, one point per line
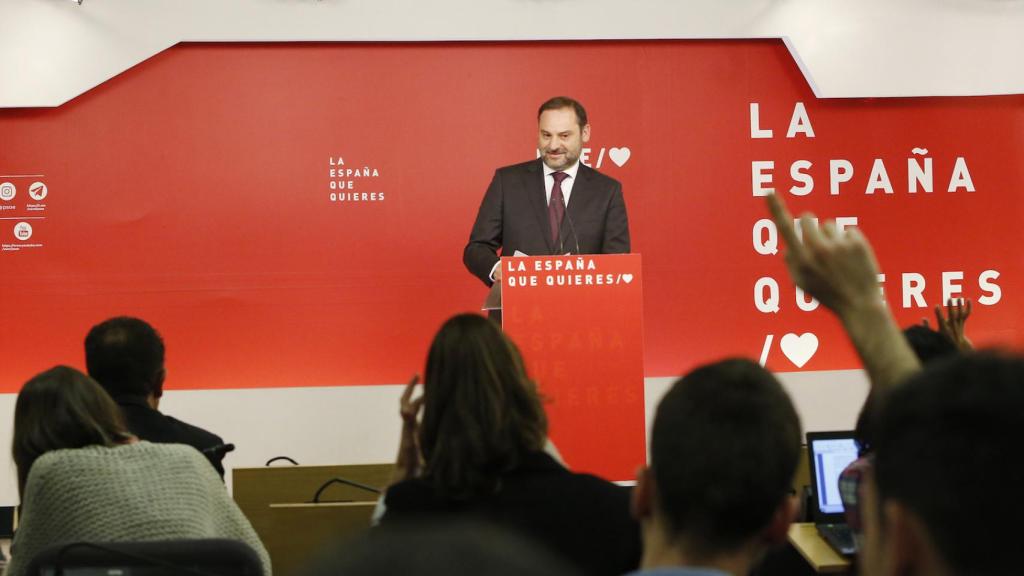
409 462
839 270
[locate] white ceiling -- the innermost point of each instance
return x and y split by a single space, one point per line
53 50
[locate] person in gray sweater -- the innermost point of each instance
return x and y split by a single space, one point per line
83 477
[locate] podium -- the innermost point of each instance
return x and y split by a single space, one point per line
578 321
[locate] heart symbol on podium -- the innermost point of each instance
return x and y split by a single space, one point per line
619 155
799 349
627 278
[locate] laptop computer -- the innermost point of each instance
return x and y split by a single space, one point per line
829 453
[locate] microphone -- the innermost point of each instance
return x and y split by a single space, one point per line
316 497
276 458
218 451
573 230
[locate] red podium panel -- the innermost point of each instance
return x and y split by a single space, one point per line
579 323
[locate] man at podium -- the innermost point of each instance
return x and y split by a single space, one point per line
551 205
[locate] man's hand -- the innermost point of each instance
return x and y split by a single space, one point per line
497 273
952 325
836 268
839 270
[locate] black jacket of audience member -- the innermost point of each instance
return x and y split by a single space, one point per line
155 426
581 517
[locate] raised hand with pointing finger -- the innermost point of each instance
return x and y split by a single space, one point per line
840 271
837 268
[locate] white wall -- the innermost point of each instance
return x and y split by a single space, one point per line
360 424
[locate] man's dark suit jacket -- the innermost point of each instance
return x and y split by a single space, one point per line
514 216
154 426
580 517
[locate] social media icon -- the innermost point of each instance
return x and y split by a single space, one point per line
7 191
37 191
22 230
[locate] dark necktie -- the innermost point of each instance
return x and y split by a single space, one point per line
556 207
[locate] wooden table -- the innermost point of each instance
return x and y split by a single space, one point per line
822 557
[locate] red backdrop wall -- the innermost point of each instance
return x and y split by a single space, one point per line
195 191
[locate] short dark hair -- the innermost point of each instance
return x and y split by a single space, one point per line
724 452
948 441
125 355
62 408
481 412
559 102
928 344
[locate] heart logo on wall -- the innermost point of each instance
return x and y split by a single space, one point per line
627 278
799 349
619 155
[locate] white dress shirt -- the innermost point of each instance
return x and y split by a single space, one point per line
549 181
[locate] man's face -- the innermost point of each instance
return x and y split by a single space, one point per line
560 139
872 550
895 541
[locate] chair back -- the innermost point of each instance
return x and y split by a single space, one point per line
206 557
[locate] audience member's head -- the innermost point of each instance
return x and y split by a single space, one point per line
62 408
126 356
724 452
440 549
481 413
929 345
948 468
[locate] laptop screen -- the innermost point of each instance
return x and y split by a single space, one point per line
831 457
